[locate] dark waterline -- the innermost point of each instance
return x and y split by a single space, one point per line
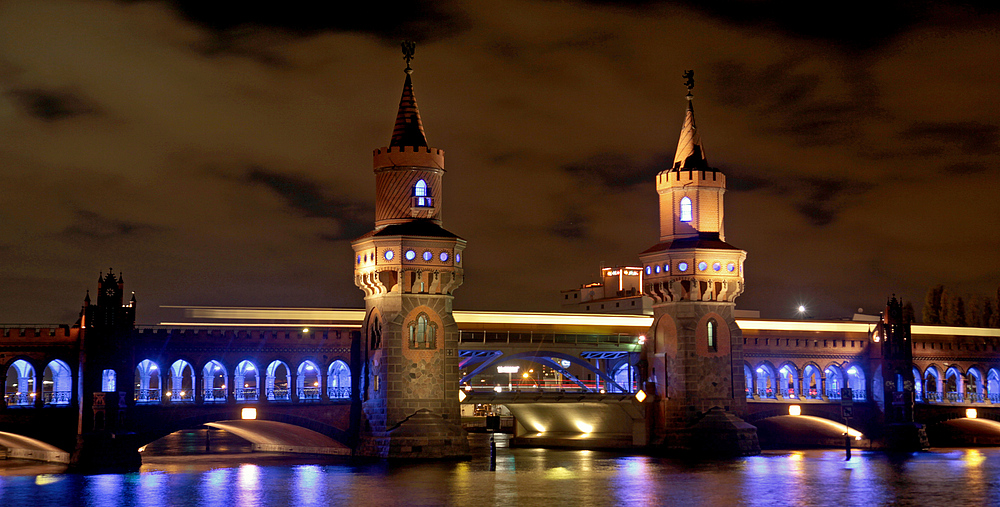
950 477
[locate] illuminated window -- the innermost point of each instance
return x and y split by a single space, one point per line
713 344
717 266
421 197
656 269
443 256
649 270
666 268
683 266
685 209
702 266
410 255
428 255
730 267
458 258
422 333
389 254
108 381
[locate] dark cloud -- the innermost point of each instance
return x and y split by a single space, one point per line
852 26
91 225
309 198
824 199
618 171
964 168
49 105
788 102
972 138
573 226
391 20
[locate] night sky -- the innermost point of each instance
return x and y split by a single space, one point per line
223 157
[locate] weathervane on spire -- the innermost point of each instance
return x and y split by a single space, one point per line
408 48
689 81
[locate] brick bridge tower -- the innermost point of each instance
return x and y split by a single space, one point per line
408 267
893 382
694 359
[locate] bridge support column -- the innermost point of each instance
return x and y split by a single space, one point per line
3 382
39 392
199 386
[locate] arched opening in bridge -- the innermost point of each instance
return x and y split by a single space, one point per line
276 381
766 385
338 380
19 390
856 381
246 387
812 382
748 380
953 384
215 379
789 378
57 383
974 386
180 382
993 385
834 381
805 431
147 382
21 447
918 385
307 381
932 384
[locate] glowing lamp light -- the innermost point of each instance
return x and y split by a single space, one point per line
794 410
468 387
309 367
168 393
305 330
640 395
539 428
461 396
498 388
642 339
971 413
249 413
802 309
852 371
760 370
584 427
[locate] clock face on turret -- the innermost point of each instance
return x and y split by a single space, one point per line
110 292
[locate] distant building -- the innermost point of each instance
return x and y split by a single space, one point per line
619 291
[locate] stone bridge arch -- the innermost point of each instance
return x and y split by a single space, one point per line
166 426
544 357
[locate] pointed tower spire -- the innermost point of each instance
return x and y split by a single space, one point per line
690 154
408 130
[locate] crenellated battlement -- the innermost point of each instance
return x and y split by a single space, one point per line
57 331
685 177
408 156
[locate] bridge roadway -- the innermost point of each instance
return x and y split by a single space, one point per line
299 370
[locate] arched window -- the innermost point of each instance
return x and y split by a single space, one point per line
789 382
748 380
834 381
686 209
245 378
993 385
277 381
180 382
713 343
307 381
811 382
109 381
20 388
214 378
422 333
421 195
147 382
338 380
57 383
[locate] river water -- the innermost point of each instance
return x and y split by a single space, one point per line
172 475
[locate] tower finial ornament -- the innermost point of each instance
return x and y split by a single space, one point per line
409 47
689 81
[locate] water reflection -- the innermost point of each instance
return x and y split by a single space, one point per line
530 477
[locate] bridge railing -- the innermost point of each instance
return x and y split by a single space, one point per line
532 337
338 393
279 394
246 394
147 395
57 397
18 399
309 394
215 395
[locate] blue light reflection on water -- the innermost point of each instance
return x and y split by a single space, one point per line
535 477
